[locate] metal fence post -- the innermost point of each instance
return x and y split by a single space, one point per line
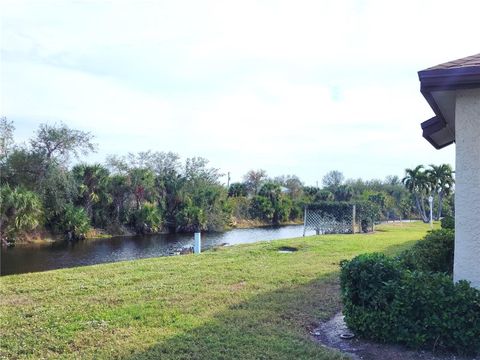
354 210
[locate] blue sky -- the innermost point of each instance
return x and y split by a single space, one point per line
298 87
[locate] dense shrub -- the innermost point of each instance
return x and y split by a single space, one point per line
387 302
20 211
191 218
433 253
448 222
238 190
368 213
74 222
240 207
147 219
261 208
296 211
368 289
363 277
429 310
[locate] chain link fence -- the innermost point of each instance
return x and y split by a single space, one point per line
345 222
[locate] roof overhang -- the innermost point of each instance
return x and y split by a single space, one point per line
439 86
436 132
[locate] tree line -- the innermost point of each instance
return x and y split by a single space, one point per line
148 192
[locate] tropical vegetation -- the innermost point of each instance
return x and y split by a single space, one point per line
435 182
47 188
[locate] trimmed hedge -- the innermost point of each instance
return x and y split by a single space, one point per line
448 222
399 300
429 310
433 253
368 284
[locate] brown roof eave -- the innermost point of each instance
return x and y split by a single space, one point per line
432 126
458 74
444 80
435 124
450 79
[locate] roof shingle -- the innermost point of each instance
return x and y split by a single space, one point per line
469 61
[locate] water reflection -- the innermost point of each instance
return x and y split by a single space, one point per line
30 258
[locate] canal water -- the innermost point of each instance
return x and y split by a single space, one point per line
31 258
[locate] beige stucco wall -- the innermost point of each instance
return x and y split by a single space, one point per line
467 188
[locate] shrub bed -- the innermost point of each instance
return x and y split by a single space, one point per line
402 300
433 253
448 222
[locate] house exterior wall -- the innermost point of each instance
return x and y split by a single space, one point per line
467 188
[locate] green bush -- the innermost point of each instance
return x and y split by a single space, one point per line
429 310
386 302
238 190
191 218
368 289
364 276
20 211
448 222
367 213
433 253
296 211
74 222
147 219
261 208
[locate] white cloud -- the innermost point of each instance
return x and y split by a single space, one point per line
302 86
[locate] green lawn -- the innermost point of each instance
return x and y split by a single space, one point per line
240 302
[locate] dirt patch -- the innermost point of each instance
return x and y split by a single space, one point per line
329 334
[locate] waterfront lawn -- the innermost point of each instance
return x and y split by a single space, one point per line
242 302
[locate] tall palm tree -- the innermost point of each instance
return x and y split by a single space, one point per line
416 182
92 181
442 182
119 190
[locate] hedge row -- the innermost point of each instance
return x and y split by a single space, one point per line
402 300
448 222
433 253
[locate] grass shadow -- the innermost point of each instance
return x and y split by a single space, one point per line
272 325
398 248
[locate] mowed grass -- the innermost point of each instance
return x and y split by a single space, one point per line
241 302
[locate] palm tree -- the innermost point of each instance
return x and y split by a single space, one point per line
442 182
92 180
343 193
416 182
21 211
119 191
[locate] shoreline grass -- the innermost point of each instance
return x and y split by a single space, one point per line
246 302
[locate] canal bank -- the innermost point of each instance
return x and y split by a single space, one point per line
42 256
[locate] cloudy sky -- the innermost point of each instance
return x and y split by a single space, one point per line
292 87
